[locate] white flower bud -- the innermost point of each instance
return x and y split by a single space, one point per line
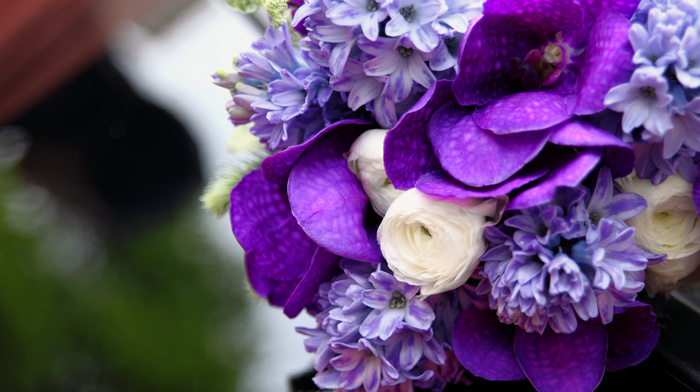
366 160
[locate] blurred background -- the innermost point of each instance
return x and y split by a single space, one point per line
112 276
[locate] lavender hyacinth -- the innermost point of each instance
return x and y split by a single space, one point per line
283 92
662 95
385 53
375 333
571 259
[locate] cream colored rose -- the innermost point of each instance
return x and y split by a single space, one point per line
669 225
434 243
366 160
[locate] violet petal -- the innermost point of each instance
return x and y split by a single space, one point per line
439 183
276 167
632 336
484 346
607 61
550 16
617 155
564 362
521 112
328 201
324 266
275 245
278 252
485 63
574 168
407 151
478 157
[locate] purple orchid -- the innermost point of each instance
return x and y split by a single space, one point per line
292 228
522 138
551 361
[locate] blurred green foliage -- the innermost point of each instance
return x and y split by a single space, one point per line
153 311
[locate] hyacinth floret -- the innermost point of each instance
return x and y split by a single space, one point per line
571 259
375 333
662 96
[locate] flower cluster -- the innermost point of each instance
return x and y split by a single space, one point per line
383 53
536 169
660 102
284 93
375 333
568 260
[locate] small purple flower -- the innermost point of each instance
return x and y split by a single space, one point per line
363 366
366 13
395 303
403 65
644 101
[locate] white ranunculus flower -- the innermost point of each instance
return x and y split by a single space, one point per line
669 225
435 243
366 160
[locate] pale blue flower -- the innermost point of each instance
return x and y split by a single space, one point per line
644 101
368 14
412 21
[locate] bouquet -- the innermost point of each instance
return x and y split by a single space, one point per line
468 188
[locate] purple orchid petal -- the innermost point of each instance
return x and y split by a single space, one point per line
439 183
277 249
329 203
563 362
625 7
528 111
607 61
549 16
485 63
484 346
574 167
407 151
324 266
477 157
632 336
618 155
276 167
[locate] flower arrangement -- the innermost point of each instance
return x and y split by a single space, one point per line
458 188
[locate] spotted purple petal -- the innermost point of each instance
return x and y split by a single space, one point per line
478 157
485 63
527 111
632 336
277 249
607 61
329 203
407 150
547 16
484 346
563 362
